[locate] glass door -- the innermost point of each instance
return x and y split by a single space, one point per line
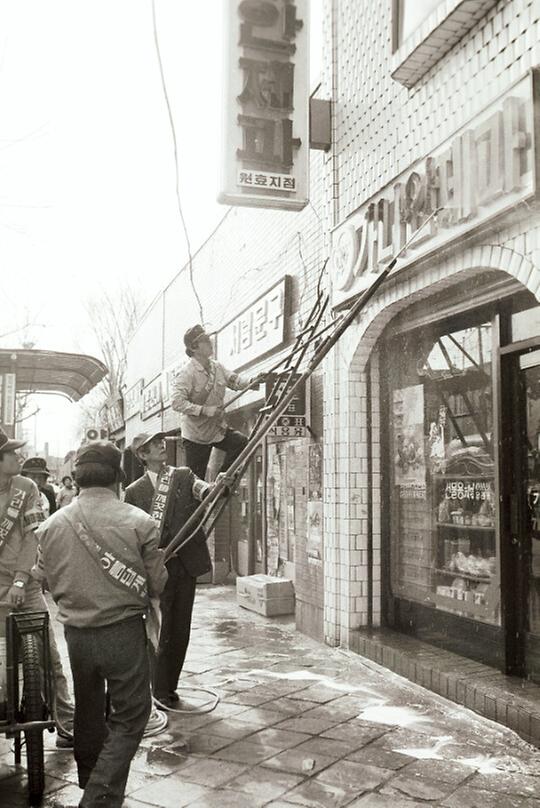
529 368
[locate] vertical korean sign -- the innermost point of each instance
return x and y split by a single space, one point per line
266 104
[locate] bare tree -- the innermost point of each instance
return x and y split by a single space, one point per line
113 318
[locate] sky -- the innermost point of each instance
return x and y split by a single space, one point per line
87 190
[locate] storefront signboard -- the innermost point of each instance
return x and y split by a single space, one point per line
266 104
151 399
9 398
484 170
132 399
257 330
115 419
293 422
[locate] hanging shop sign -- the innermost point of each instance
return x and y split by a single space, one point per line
484 170
132 400
257 330
9 396
151 399
266 104
315 502
293 422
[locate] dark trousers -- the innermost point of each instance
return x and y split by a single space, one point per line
115 658
198 454
176 604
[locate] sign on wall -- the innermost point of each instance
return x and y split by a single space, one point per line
266 104
9 398
151 399
132 399
293 422
255 331
482 171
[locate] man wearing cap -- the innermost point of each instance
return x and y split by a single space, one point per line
198 395
36 469
170 495
101 561
20 515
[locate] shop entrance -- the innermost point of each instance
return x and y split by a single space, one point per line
522 562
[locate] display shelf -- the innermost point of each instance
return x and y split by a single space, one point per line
464 607
484 579
479 476
465 527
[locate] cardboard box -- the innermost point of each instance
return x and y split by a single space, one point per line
265 594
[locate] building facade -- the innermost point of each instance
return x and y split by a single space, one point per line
431 475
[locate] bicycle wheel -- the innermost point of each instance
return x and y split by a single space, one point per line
32 710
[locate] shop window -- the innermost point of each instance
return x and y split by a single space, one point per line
443 509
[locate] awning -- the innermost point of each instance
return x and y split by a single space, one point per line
69 374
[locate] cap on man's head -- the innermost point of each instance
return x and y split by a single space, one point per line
35 465
9 445
102 452
143 439
192 336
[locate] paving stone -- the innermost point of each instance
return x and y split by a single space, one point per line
508 783
317 693
202 744
297 762
317 794
383 758
289 706
260 716
232 728
140 779
246 752
355 731
324 746
66 797
312 726
210 772
156 761
467 797
383 801
169 792
261 781
227 799
359 776
279 738
445 771
417 789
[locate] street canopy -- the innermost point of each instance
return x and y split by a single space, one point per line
69 374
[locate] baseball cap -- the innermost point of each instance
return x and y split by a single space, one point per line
143 438
193 335
9 445
102 452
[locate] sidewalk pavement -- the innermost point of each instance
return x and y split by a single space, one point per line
301 724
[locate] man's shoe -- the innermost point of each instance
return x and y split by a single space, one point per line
174 697
64 741
162 698
156 723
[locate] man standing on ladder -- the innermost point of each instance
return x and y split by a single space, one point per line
198 395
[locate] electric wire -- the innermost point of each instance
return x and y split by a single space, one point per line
176 161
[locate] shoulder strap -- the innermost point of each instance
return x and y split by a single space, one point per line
12 512
117 571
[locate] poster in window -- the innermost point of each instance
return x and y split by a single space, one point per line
314 504
408 429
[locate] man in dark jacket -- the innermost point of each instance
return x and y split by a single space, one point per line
170 495
36 469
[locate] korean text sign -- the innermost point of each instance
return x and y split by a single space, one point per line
266 104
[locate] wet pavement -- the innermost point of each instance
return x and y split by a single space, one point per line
301 724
